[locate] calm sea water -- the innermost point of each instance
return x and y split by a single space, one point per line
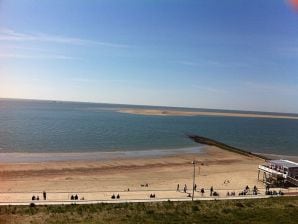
44 126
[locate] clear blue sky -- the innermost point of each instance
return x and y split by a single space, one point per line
231 54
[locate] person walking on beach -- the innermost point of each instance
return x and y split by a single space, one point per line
185 188
195 187
178 187
211 191
44 195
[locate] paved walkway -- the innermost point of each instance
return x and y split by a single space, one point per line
68 202
55 198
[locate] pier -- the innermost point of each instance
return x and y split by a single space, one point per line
212 142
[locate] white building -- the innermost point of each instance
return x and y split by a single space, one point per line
279 172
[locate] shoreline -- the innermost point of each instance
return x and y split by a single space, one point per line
159 112
44 157
37 157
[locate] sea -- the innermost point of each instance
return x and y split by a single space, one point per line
33 126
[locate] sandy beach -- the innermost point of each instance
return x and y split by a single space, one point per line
98 180
156 112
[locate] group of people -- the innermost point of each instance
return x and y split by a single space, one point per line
268 192
185 188
212 192
152 195
247 191
114 197
44 194
35 198
227 181
75 197
232 193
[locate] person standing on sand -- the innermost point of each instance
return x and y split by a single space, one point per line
44 195
211 191
178 187
202 191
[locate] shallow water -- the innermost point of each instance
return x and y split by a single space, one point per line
47 126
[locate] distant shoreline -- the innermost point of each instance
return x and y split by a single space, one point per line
125 106
157 112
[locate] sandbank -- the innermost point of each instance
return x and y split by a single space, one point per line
156 112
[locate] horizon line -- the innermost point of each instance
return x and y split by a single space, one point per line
146 105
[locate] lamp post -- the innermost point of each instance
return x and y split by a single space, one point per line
193 179
194 162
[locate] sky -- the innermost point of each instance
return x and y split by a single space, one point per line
228 54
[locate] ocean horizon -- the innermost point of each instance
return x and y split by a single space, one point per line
37 126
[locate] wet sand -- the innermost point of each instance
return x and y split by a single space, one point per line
97 180
200 113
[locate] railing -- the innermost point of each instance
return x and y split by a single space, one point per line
292 180
269 170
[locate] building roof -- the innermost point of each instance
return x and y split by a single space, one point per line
284 163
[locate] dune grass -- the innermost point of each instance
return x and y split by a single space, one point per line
273 210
